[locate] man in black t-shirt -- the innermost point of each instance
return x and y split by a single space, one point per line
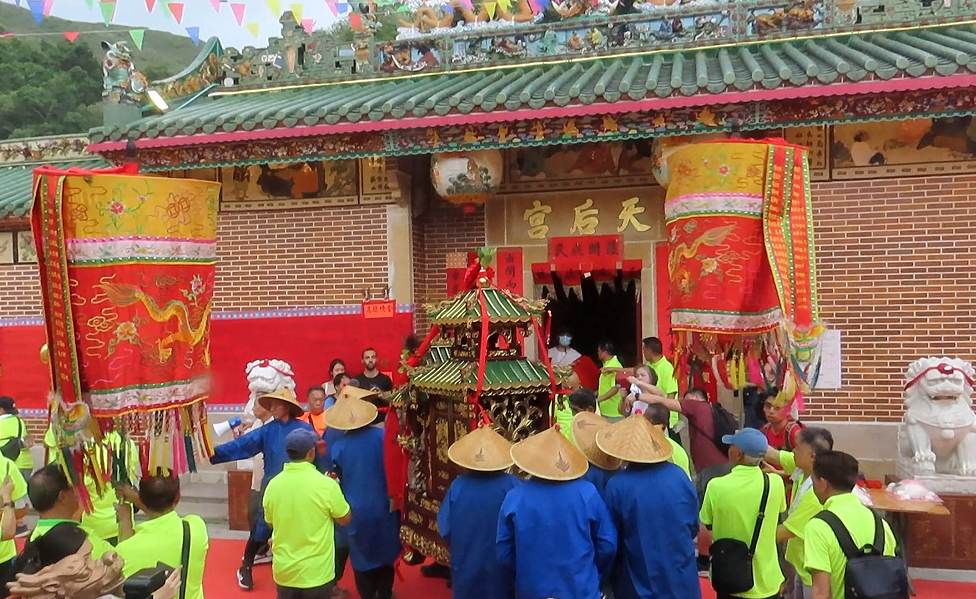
372 379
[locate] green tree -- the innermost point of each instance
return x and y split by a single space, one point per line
48 89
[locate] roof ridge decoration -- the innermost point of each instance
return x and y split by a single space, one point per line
407 38
35 150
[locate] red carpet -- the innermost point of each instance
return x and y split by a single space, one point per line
225 557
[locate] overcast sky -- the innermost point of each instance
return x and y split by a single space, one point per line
197 13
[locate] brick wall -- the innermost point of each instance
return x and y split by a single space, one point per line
896 276
442 230
289 259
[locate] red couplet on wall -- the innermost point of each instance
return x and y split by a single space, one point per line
455 281
308 343
662 284
509 270
597 251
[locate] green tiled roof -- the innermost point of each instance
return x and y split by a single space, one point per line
465 307
437 354
16 184
500 375
923 53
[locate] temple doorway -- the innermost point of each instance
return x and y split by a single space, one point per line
596 310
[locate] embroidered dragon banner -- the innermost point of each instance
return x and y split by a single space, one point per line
127 268
742 265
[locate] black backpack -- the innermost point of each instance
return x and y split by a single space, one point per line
723 423
869 574
12 448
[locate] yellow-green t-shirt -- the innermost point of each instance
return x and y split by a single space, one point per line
102 522
666 382
564 416
679 456
821 549
51 445
803 510
302 525
609 408
730 508
161 540
99 547
12 427
8 549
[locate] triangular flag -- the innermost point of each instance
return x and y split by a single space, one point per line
335 11
403 8
108 11
490 7
71 36
343 7
48 5
467 4
355 20
194 33
254 28
176 9
238 9
137 36
37 10
216 5
504 4
308 25
297 10
90 3
275 6
150 5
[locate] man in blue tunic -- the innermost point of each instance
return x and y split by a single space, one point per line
554 531
269 440
585 427
654 506
357 460
468 518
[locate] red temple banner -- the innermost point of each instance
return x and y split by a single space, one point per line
586 253
127 272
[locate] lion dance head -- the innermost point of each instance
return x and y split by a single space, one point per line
267 376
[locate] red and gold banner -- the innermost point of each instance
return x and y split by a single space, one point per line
127 271
741 256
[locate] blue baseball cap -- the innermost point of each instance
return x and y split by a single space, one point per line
300 441
749 441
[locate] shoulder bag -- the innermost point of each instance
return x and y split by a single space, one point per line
732 558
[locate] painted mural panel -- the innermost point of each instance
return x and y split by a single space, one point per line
299 184
910 142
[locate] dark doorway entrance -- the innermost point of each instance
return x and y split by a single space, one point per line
596 311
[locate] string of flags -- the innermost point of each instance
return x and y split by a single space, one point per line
41 9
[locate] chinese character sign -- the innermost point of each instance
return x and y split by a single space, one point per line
509 270
455 281
586 253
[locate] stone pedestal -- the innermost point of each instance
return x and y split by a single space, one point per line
238 495
943 542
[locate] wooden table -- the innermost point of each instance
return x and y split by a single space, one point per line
898 511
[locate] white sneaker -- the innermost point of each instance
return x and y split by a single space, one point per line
263 559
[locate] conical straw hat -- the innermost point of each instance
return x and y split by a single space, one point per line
285 395
482 450
585 427
350 410
550 456
636 440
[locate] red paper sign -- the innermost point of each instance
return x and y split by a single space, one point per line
381 309
509 270
587 253
455 281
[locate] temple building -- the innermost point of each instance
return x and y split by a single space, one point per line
366 166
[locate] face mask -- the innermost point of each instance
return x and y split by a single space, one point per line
564 340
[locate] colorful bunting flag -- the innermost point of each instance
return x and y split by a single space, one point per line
534 6
468 4
332 6
504 4
90 3
238 9
343 7
194 33
37 10
108 11
254 28
275 6
403 8
490 7
355 20
308 25
216 5
298 10
150 5
48 5
137 36
176 9
71 36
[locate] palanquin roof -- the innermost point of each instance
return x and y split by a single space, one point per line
649 75
458 377
465 308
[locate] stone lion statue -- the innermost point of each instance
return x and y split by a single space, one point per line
267 376
938 434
